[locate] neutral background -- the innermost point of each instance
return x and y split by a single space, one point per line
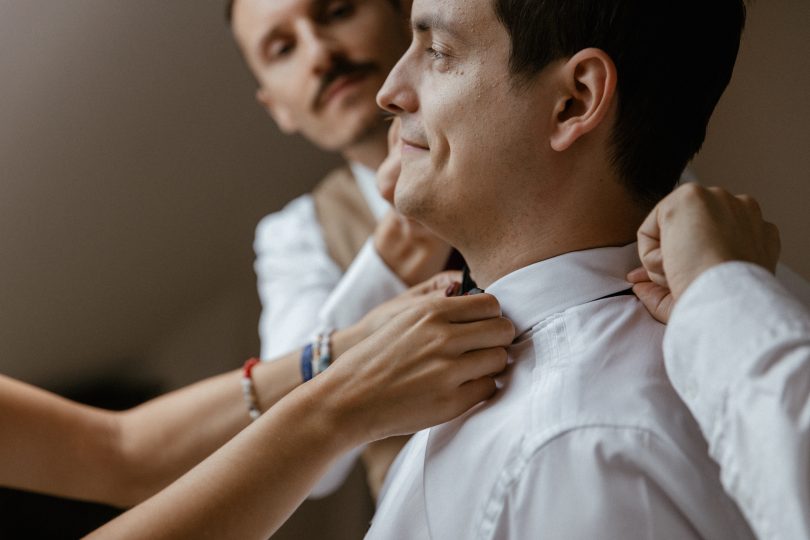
134 165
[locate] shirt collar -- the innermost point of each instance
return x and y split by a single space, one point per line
367 182
532 294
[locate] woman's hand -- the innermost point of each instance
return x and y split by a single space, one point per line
692 230
432 362
435 287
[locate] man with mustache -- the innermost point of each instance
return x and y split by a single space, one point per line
319 65
537 135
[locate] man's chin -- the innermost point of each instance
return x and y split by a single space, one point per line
352 127
410 201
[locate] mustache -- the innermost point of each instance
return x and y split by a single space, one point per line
341 67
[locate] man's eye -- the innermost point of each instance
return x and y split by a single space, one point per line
340 10
437 55
279 49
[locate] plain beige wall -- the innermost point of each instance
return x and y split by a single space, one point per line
134 166
759 138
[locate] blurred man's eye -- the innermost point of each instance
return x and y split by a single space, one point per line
279 49
339 10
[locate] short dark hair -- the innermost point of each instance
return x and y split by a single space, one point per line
674 61
229 8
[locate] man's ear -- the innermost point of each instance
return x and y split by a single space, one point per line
588 90
281 115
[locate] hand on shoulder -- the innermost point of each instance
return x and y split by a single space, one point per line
692 230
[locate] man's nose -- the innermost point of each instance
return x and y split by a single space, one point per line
321 49
397 94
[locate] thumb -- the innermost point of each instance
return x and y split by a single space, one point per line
657 299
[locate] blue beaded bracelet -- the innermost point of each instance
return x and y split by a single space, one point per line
306 363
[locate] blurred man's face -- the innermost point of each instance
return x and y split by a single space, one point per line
468 133
320 63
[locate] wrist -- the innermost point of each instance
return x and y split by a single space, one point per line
343 340
683 280
395 260
328 396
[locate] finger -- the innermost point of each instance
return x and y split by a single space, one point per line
387 186
474 392
439 282
461 309
752 205
481 363
649 234
657 300
653 262
638 275
720 193
478 335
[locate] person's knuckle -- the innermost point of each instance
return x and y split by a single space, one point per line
750 202
508 329
431 307
692 191
490 304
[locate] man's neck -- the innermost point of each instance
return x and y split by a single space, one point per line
541 233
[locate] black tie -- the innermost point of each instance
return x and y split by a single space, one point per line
468 286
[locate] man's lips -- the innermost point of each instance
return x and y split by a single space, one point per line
340 84
408 144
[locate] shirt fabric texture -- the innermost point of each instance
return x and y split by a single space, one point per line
586 439
737 350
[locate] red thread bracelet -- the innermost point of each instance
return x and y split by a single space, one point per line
249 389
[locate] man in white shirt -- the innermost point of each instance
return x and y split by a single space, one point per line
536 137
319 65
737 348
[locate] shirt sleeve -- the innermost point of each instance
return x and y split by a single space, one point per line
613 484
737 350
295 277
794 284
367 283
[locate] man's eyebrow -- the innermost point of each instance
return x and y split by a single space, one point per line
427 23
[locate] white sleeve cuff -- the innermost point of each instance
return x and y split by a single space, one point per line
366 284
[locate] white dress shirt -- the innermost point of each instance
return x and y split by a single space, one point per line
586 439
303 291
738 351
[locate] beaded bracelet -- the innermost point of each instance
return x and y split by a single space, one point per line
249 389
306 363
324 351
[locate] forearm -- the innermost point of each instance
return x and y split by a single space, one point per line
167 436
53 445
397 381
249 487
